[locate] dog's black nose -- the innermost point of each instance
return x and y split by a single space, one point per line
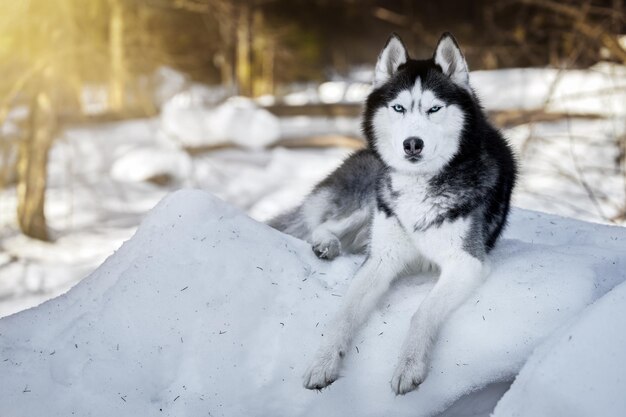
413 146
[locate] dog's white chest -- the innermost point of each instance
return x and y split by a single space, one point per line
415 208
424 215
412 202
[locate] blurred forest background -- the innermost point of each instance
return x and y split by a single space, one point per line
105 105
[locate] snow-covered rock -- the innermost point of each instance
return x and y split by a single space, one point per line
238 120
207 312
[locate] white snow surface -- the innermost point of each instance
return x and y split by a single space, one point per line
579 371
142 164
600 90
190 121
208 312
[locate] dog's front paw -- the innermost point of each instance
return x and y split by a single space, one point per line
323 371
327 248
409 374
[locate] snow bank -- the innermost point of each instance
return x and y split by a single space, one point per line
192 122
206 311
294 127
343 91
600 90
146 163
557 157
579 371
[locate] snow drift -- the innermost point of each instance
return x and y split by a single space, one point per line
579 371
207 312
237 120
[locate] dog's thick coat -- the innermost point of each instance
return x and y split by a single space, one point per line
432 189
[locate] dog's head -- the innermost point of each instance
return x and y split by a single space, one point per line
415 116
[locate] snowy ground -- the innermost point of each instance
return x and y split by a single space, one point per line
100 188
208 312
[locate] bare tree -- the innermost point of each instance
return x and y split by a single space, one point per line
32 167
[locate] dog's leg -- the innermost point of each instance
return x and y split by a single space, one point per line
326 238
391 250
461 273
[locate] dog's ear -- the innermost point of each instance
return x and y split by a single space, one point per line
449 57
392 56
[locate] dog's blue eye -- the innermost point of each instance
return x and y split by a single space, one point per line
434 109
398 108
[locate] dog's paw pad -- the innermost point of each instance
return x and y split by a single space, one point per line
328 249
408 376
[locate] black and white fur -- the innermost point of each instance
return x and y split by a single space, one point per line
432 189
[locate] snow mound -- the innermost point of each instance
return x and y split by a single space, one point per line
343 92
207 312
146 163
193 122
579 371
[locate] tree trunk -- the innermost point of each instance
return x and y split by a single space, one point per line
32 168
117 76
243 64
263 57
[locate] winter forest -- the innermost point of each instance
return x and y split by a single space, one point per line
144 144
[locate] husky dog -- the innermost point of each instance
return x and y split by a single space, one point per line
432 189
